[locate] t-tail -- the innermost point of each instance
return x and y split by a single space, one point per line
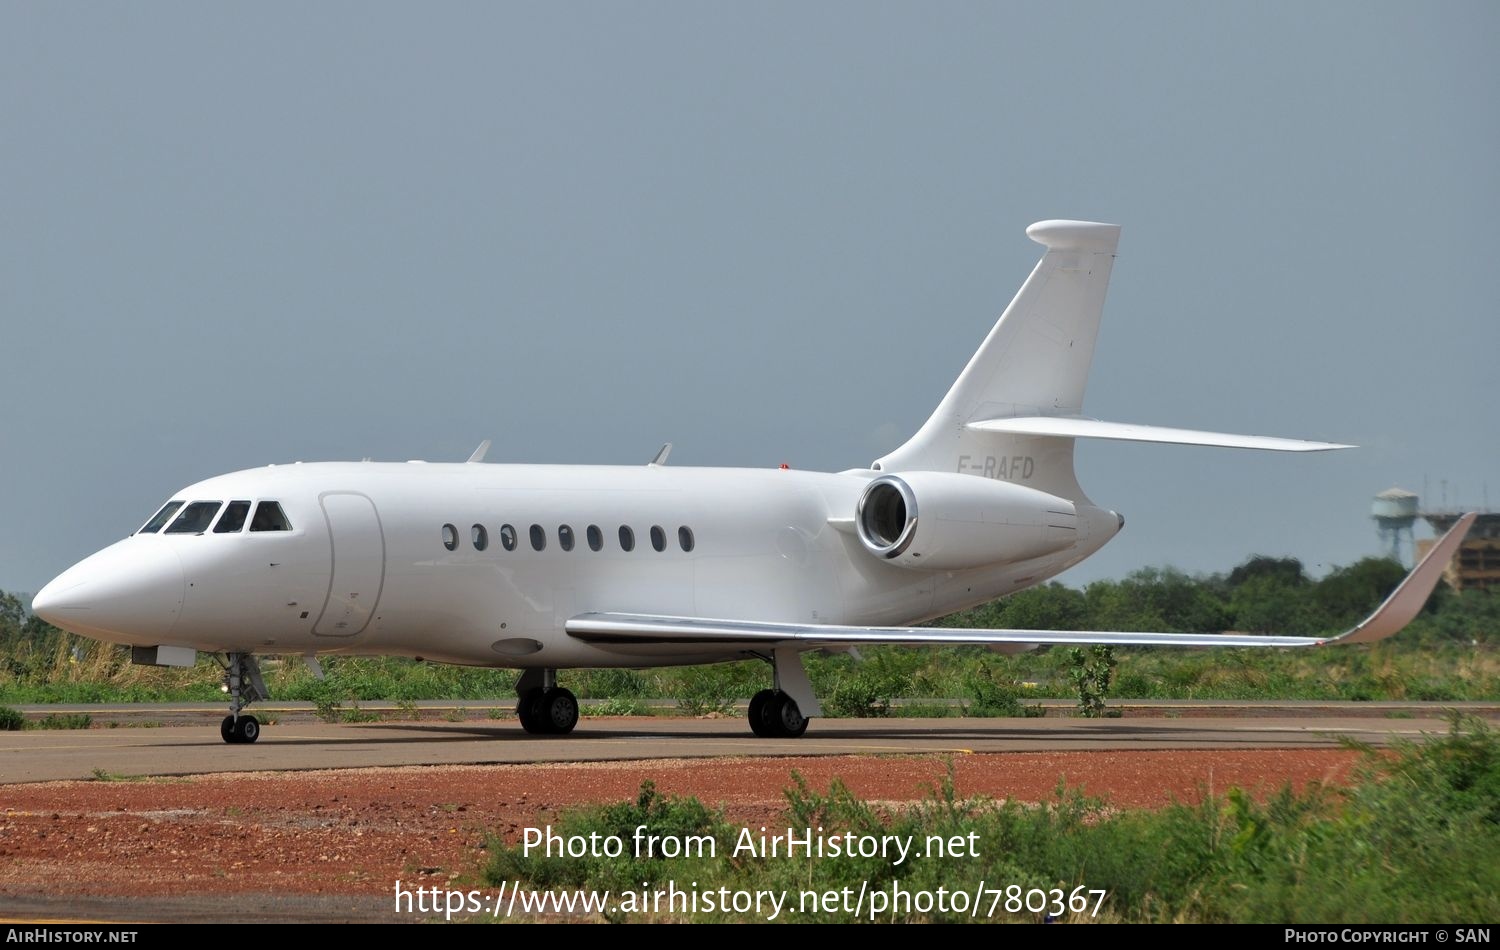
1016 410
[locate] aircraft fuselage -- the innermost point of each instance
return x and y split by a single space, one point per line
441 561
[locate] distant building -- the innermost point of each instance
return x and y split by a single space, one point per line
1477 564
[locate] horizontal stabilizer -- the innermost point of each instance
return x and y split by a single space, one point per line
1388 619
1078 427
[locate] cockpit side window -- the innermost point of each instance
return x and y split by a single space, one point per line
195 518
160 518
234 518
269 517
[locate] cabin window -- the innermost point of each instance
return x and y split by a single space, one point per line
269 517
565 537
508 537
480 537
596 538
685 538
195 518
234 518
538 538
450 537
627 538
658 538
160 518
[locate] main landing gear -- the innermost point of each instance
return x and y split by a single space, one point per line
544 708
243 683
783 711
775 715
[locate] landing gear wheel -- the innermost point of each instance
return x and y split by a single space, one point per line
784 718
758 723
548 712
526 705
775 715
248 729
242 731
559 709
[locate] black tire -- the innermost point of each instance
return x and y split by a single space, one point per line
785 717
247 729
228 732
529 714
758 723
559 709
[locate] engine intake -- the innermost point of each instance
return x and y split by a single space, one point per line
965 521
887 517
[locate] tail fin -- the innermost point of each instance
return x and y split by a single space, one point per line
1035 362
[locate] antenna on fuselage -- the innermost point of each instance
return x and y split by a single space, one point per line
480 452
661 454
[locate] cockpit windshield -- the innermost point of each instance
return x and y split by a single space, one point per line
269 517
160 518
195 518
234 518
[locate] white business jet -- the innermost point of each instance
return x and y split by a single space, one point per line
547 567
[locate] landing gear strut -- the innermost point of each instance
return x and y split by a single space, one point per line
243 683
544 708
782 712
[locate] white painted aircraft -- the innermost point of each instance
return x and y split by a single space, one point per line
546 567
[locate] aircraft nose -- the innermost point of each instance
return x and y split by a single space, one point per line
130 592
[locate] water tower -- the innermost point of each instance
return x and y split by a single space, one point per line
1394 511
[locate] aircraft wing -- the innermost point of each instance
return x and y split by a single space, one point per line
1404 603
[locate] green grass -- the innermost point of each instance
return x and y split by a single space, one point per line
62 721
1450 653
355 714
616 706
987 685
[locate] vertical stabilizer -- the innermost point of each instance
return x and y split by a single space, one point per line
1035 362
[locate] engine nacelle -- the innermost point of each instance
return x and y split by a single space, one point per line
944 521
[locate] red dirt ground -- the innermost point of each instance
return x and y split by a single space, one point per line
356 831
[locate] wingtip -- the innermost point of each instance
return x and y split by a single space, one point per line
1411 595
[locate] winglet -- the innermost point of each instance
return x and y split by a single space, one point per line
661 454
1407 600
480 453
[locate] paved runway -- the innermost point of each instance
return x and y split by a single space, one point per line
46 755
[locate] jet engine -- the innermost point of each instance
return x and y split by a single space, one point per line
944 521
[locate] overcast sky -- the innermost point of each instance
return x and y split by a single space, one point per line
767 232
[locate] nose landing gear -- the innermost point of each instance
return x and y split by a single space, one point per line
245 729
242 680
